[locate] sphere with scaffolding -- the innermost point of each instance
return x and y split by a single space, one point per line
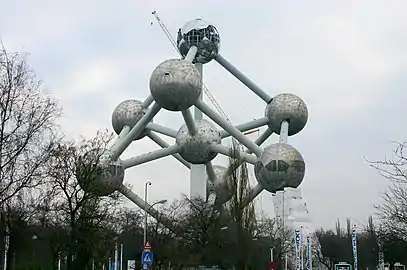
287 107
98 175
175 84
128 113
196 148
221 185
202 35
279 166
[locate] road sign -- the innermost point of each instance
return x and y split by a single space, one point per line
272 265
147 257
147 246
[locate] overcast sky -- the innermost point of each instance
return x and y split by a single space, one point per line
346 59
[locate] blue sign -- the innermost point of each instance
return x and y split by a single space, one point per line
147 257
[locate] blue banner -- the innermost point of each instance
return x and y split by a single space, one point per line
297 249
355 249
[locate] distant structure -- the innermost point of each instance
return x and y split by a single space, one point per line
292 210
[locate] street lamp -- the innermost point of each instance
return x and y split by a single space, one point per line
147 209
148 183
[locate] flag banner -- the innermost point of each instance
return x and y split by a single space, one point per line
309 254
297 249
355 249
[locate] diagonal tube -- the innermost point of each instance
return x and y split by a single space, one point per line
162 129
134 161
164 144
253 193
210 172
241 77
191 54
147 102
145 206
228 127
247 126
189 121
135 131
244 157
123 133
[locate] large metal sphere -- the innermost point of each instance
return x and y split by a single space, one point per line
221 186
196 149
98 175
287 107
279 166
176 84
202 35
128 113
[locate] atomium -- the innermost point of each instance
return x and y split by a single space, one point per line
176 85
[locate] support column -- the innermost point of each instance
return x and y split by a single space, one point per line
198 176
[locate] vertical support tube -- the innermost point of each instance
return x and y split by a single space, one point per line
121 256
116 257
197 186
284 132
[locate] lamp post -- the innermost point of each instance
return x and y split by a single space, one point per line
146 209
148 183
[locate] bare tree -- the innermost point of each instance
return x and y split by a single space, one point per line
86 217
393 210
27 125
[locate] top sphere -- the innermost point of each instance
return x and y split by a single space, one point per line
202 35
290 108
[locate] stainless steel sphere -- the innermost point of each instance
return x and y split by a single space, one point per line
287 107
98 175
175 84
202 35
195 149
128 113
279 166
221 186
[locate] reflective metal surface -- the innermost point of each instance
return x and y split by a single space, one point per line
98 175
128 113
221 186
202 35
196 149
279 166
287 107
175 84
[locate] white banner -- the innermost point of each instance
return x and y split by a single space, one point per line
298 249
355 249
309 254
